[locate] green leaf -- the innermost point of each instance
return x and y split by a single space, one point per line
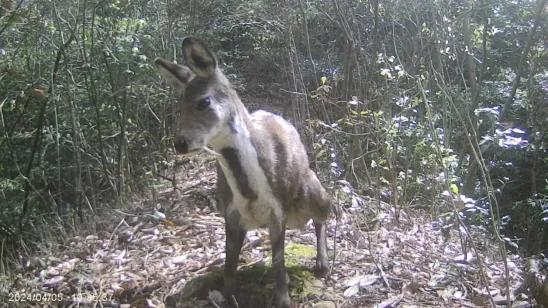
454 189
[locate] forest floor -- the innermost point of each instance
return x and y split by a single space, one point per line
168 250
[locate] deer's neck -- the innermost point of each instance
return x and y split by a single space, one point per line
239 158
237 132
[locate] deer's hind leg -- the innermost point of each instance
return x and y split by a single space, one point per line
320 205
322 264
277 237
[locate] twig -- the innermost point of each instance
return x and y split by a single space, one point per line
124 213
114 231
292 92
235 302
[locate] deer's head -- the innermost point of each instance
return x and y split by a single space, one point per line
206 101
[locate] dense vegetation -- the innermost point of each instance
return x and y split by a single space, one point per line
438 104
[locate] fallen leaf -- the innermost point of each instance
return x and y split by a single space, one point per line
391 302
368 280
54 281
353 290
179 259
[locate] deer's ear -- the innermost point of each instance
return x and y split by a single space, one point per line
177 75
199 58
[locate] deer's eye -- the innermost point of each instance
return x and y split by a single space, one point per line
203 103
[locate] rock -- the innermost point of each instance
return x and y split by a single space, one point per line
325 304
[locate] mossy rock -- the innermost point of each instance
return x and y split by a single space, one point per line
295 253
255 283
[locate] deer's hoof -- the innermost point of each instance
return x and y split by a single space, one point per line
281 301
321 269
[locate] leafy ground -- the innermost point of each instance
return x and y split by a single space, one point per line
167 250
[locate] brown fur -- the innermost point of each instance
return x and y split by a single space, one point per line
264 177
283 158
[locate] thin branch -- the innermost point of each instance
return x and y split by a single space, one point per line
530 40
39 124
12 16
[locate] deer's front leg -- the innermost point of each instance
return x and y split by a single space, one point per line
277 236
235 235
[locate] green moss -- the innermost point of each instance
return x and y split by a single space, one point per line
256 282
302 283
255 285
295 254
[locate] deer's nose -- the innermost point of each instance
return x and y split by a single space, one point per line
181 145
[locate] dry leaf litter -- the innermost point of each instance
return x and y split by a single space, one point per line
142 255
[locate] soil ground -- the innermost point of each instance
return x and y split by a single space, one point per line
167 249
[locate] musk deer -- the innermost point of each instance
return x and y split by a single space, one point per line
263 175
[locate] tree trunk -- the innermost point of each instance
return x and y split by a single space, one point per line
471 78
519 71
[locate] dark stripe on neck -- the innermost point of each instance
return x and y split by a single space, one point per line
232 125
277 170
235 165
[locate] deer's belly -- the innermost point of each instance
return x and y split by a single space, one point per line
256 213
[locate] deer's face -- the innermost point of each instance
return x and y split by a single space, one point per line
204 103
201 114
